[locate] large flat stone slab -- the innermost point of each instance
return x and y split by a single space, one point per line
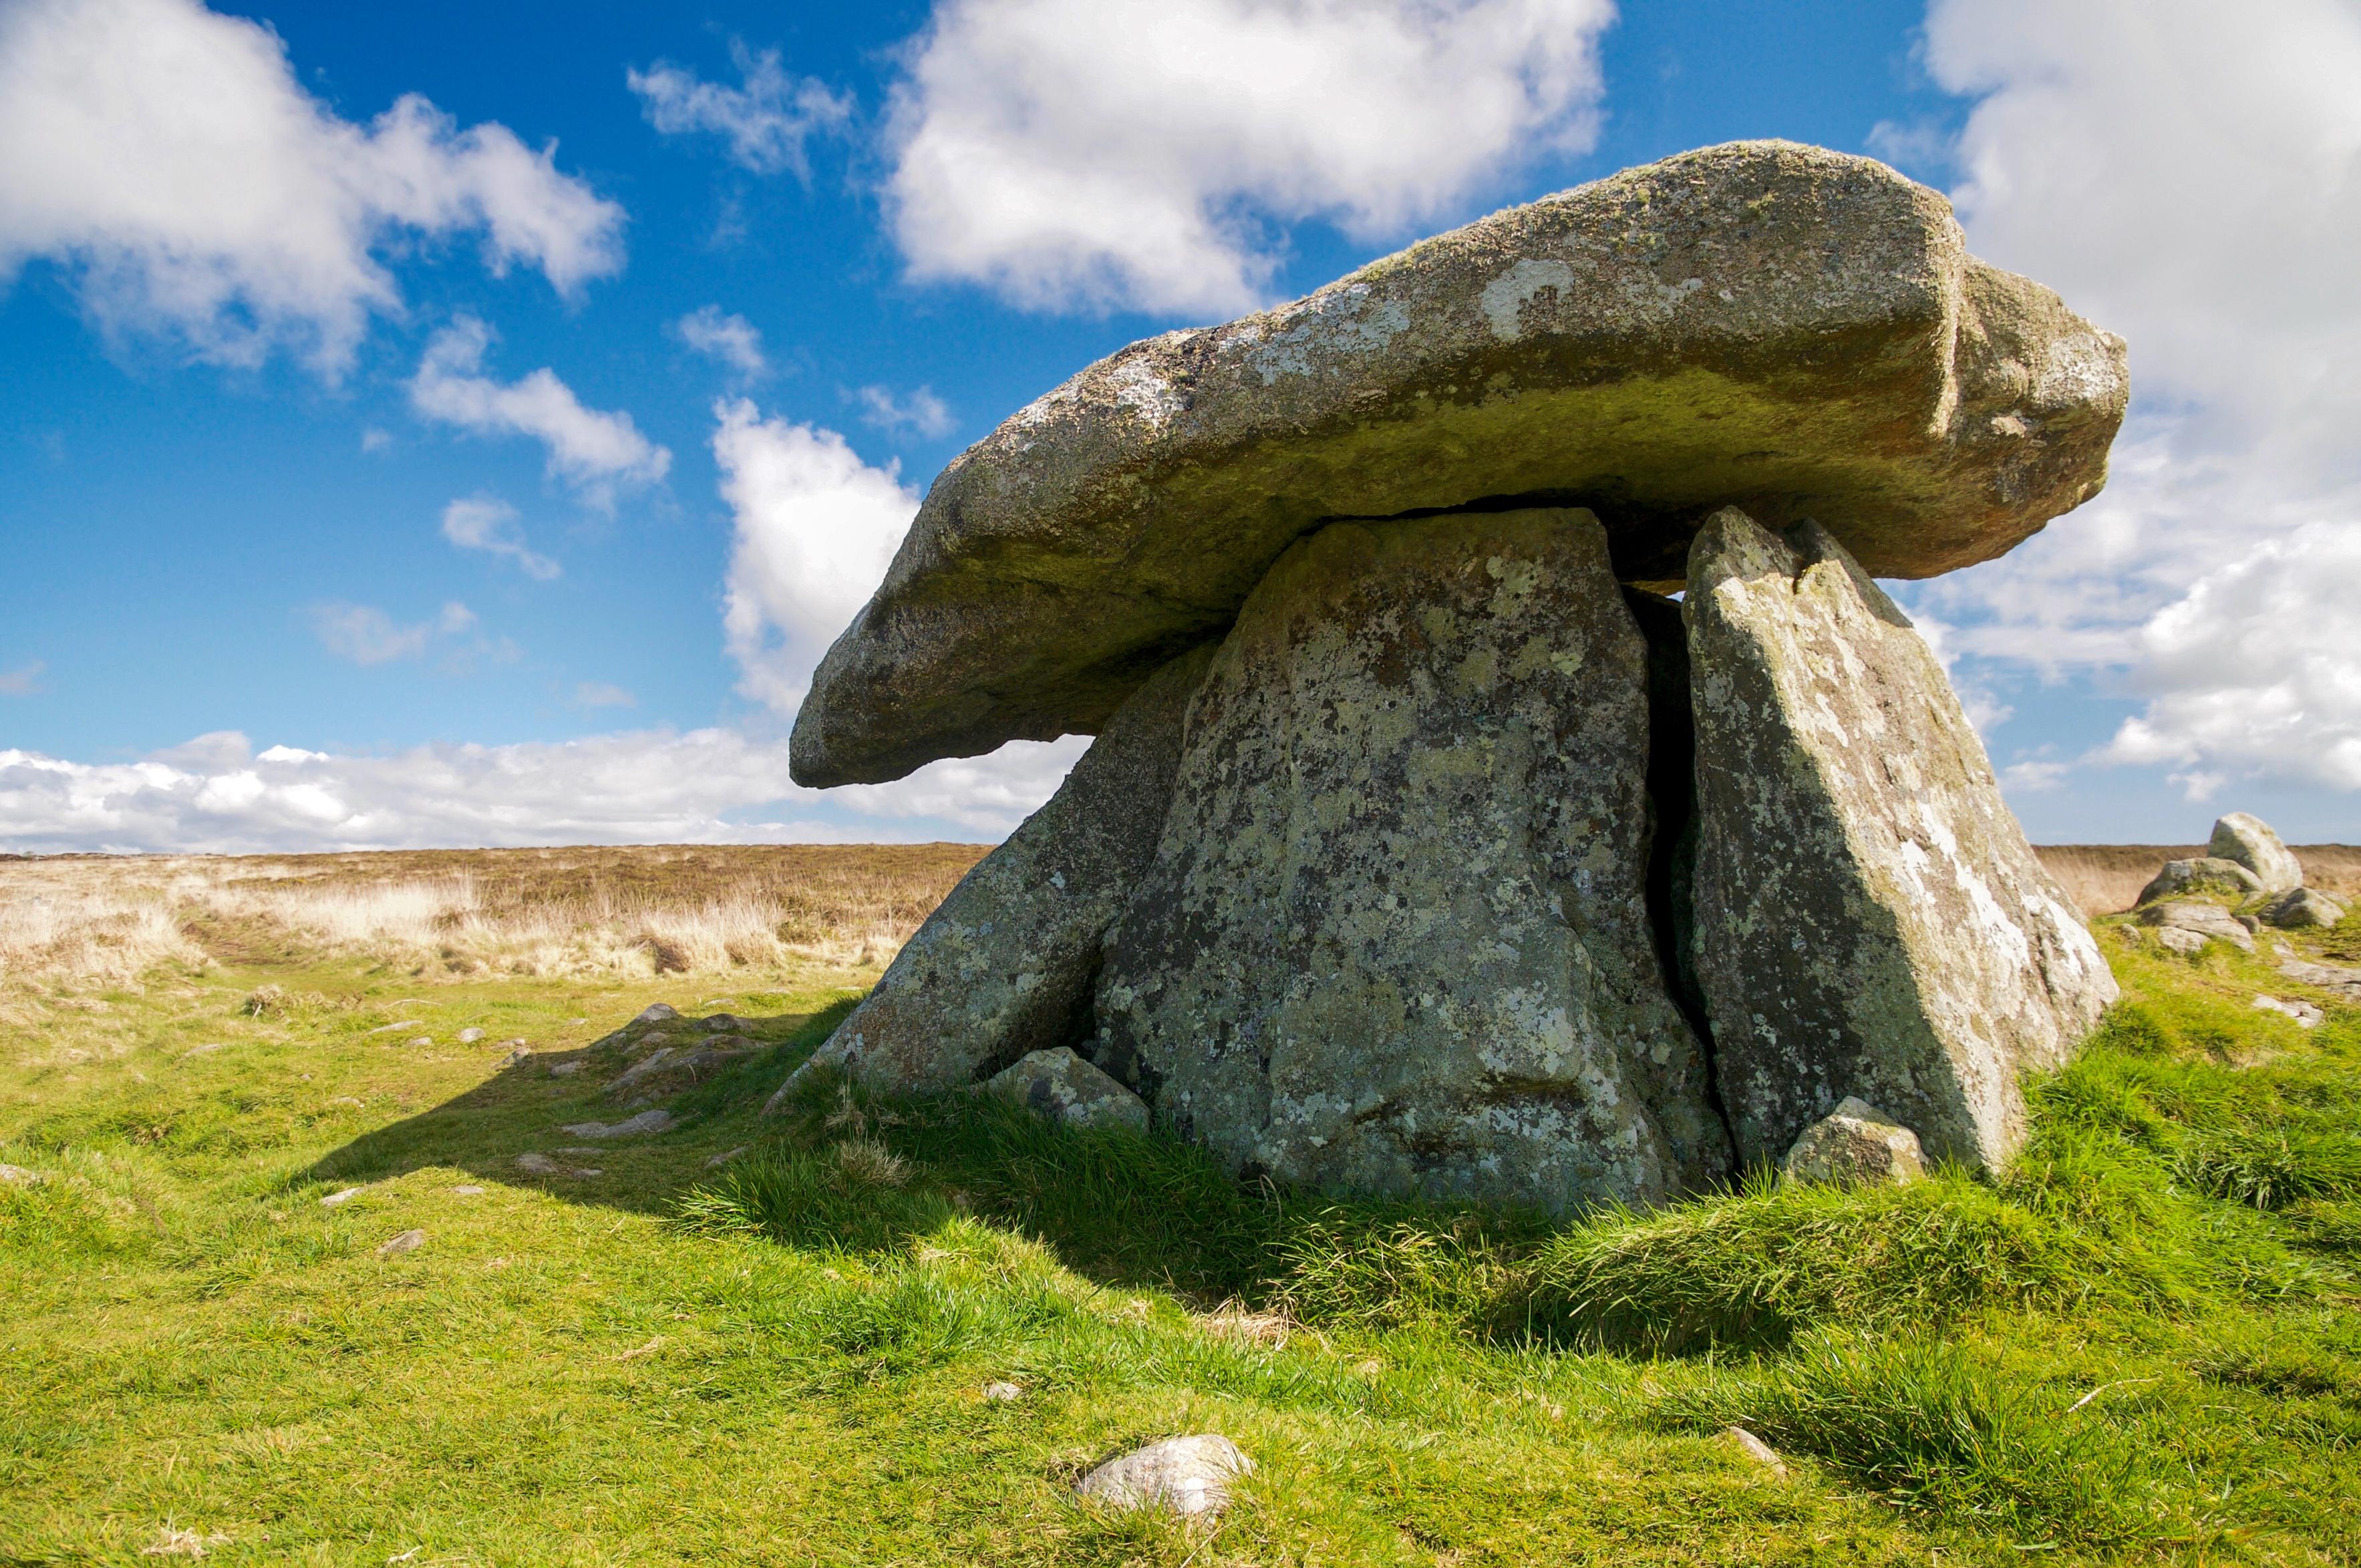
1795 330
1003 966
1870 920
1394 938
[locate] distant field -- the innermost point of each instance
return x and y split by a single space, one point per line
2104 879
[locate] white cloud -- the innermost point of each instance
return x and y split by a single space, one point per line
593 451
23 681
815 528
367 635
166 157
374 440
489 524
1103 153
921 411
705 786
601 694
731 339
767 122
2186 175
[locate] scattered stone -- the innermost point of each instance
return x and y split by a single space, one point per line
537 1165
1394 938
390 1028
2303 1012
2345 982
17 1176
645 1122
723 1024
1004 964
565 1068
1755 1449
2302 906
1002 1393
1856 1145
1870 920
423 1040
338 1199
2250 842
724 1157
2184 942
2206 874
1666 337
1188 1475
2207 922
517 1050
468 1189
1061 1085
657 1013
653 1062
408 1241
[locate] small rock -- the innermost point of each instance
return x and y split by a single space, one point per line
17 1176
423 1040
645 1122
469 1036
338 1199
2250 841
724 1157
641 1068
518 1051
2345 982
566 1070
1856 1144
2301 906
467 1190
1060 1085
1755 1449
1002 1393
723 1024
408 1241
537 1165
2180 940
1189 1475
2303 1012
2207 920
390 1028
657 1013
2206 874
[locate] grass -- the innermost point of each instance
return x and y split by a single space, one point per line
2142 1344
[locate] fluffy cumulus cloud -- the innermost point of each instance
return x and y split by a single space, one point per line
167 158
1101 153
2188 175
815 529
595 453
731 339
921 413
489 524
764 123
217 795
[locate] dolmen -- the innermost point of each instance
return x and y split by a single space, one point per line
1510 782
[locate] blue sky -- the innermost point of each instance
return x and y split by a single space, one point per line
373 476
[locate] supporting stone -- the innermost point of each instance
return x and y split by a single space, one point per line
1004 965
1870 920
1395 938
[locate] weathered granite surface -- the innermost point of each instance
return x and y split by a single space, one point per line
1795 330
1004 964
2205 873
1063 1086
1856 1144
1871 921
2248 840
1395 938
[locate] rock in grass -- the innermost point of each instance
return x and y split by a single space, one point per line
654 1120
470 1036
2303 1012
2194 917
408 1240
2301 908
517 1052
1869 917
2206 874
1856 1145
657 1013
1186 1476
2185 942
468 1189
1760 323
1063 1086
565 1068
2248 840
1754 1450
1002 1393
1004 965
537 1165
338 1199
1395 938
653 1062
724 1157
2345 983
17 1176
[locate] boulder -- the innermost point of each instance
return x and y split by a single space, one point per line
1395 937
1188 1475
1870 920
2207 873
631 1126
1003 966
2250 842
1796 330
2178 939
2300 907
1063 1086
2340 981
2192 918
2303 1012
1856 1144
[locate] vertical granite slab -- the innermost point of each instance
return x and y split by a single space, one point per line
1870 920
1004 965
1394 938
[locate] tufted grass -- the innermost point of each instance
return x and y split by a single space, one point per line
2142 1344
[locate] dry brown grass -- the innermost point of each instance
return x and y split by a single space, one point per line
632 911
2104 879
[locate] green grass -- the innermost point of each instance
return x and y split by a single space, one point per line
2142 1344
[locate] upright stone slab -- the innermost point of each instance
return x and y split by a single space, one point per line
2247 840
1871 921
1004 965
1394 938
